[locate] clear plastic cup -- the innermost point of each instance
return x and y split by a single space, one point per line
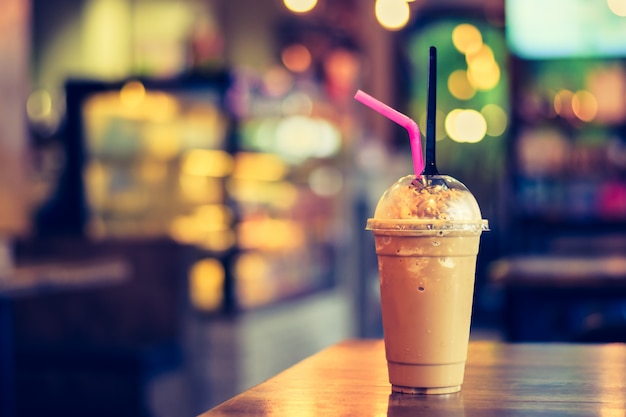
427 231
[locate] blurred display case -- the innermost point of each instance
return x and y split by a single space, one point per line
566 187
254 194
569 153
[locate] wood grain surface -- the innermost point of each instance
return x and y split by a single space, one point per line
350 379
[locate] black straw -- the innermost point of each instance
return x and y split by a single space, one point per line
430 167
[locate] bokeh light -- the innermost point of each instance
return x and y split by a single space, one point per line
466 38
207 162
563 103
459 85
465 125
483 71
277 81
392 14
39 105
584 105
496 118
300 6
206 284
296 58
440 129
132 94
326 181
299 137
618 7
259 166
253 272
162 143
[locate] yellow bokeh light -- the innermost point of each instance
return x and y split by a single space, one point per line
496 118
466 38
196 189
206 228
207 162
466 126
206 284
253 273
296 58
459 85
392 14
259 166
300 6
213 217
132 94
39 105
482 55
280 194
160 106
440 129
483 71
218 240
270 234
485 78
162 143
618 7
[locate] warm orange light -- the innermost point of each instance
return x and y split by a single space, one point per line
563 103
296 58
198 189
132 94
207 162
279 194
270 234
585 105
259 166
162 143
253 273
206 282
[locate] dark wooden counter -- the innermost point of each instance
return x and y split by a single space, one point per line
350 379
562 298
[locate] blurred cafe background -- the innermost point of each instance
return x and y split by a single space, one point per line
184 184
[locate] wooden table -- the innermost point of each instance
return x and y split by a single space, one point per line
350 379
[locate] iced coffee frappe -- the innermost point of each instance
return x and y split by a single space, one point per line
427 231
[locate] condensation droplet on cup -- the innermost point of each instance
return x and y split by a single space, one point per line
436 243
420 288
446 262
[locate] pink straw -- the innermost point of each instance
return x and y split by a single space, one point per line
401 119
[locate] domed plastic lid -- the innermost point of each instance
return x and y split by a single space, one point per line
428 202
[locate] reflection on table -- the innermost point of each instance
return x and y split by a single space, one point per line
350 378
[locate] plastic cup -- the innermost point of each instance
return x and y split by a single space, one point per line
427 231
